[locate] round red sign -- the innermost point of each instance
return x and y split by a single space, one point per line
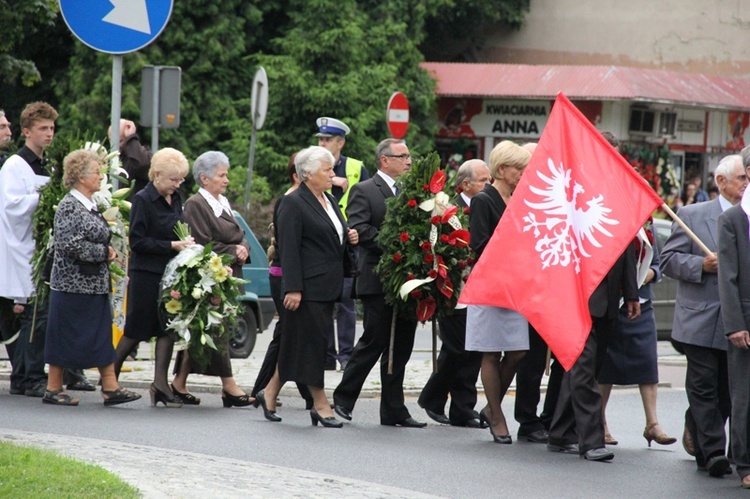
397 115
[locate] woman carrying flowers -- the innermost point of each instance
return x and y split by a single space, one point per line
79 329
155 212
493 330
211 220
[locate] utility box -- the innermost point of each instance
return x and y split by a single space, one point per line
167 81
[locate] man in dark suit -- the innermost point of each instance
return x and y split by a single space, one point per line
698 325
457 369
578 415
366 211
734 293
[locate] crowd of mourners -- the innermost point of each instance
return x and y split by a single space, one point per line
323 255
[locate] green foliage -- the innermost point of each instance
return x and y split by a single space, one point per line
27 472
20 20
423 242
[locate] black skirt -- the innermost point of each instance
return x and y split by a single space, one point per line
142 321
79 331
304 343
631 352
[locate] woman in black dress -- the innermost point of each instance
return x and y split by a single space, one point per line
79 329
155 212
312 245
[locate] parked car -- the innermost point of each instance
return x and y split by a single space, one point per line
665 291
258 309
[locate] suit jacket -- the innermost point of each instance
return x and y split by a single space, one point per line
310 250
697 315
365 213
487 208
734 269
621 280
223 231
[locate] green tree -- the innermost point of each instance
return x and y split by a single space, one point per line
21 20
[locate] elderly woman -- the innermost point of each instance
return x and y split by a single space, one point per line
312 246
494 330
155 212
211 220
79 329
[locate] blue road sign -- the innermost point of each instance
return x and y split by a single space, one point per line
116 26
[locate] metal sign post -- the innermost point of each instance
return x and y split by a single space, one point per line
258 110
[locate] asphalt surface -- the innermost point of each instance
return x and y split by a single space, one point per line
209 451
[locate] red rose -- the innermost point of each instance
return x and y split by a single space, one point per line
471 260
435 220
416 294
410 277
461 264
404 237
426 246
466 210
429 258
444 238
433 274
397 258
426 187
412 203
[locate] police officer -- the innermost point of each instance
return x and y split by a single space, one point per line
332 135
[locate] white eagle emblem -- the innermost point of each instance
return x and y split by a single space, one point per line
566 228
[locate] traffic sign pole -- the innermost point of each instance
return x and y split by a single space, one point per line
116 111
155 112
259 107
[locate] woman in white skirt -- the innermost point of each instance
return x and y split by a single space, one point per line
495 331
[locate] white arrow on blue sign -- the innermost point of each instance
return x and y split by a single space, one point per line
116 26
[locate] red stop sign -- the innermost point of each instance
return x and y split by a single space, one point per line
397 115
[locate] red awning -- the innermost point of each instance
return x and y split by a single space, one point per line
522 81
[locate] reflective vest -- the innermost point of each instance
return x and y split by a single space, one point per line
353 172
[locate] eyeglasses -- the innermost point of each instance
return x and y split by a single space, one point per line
177 181
399 156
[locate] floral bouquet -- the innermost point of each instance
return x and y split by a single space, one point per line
654 164
199 295
425 245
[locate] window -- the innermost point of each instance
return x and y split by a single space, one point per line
641 121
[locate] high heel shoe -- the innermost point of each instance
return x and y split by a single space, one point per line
610 440
483 419
331 422
260 398
186 398
501 439
661 438
159 396
230 400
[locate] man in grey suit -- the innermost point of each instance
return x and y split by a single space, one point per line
698 325
366 212
734 291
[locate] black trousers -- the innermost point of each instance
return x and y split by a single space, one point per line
578 415
28 358
707 387
457 372
374 345
272 354
528 383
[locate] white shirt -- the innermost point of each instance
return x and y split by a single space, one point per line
18 200
87 203
388 180
334 219
217 205
466 199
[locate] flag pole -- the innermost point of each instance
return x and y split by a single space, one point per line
686 229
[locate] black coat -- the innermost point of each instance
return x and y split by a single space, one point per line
311 252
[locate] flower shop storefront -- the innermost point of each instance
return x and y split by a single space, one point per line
672 126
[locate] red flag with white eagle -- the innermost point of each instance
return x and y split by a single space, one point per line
577 207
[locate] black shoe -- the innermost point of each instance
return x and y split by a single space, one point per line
409 422
260 398
564 448
119 396
438 418
81 385
330 365
343 412
535 437
167 399
17 390
186 398
331 422
501 439
36 391
470 423
598 454
229 400
717 465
